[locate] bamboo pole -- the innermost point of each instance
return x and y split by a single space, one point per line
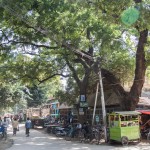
95 103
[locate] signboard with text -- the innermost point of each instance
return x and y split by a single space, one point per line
83 104
82 98
81 111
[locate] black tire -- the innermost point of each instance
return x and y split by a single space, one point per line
124 141
81 137
111 141
97 137
68 137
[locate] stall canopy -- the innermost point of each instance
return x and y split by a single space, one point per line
146 112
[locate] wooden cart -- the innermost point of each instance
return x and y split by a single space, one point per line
124 126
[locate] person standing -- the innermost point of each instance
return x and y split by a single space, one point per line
28 125
5 126
5 123
0 121
15 125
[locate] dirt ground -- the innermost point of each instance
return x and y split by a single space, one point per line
4 144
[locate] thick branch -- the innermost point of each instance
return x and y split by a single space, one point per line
79 60
73 71
140 65
29 43
49 77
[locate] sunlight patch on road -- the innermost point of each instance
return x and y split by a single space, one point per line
40 144
39 137
35 143
17 144
52 138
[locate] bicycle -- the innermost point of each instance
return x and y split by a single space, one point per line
73 133
69 134
97 135
81 135
84 136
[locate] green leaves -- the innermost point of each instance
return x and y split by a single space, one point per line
42 40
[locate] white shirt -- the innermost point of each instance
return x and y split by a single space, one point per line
5 124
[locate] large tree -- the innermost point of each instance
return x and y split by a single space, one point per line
65 34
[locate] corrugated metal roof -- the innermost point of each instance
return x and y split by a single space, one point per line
126 112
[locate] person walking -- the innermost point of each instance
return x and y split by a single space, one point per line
28 125
15 124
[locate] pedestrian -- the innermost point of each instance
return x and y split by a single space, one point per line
28 125
0 121
15 125
4 123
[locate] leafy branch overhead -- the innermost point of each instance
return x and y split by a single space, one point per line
41 40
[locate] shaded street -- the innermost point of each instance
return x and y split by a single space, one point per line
41 141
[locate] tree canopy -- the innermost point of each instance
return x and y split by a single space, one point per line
43 39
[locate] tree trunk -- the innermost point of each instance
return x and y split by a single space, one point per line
83 91
129 100
132 98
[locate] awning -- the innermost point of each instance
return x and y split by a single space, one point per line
147 112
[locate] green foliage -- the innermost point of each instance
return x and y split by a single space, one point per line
38 40
69 94
38 95
11 95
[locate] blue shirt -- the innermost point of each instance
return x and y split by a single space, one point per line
28 124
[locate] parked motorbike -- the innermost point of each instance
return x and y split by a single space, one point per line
60 131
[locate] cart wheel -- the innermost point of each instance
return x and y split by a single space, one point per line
139 140
124 141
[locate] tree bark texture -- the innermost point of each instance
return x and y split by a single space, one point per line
136 89
129 100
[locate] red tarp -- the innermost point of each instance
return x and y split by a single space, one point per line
144 112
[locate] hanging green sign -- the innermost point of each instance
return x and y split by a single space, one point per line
130 16
97 118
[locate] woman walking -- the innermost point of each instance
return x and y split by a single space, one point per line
15 125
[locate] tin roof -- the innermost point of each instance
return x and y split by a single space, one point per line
127 112
64 106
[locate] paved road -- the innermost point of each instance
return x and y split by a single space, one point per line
42 141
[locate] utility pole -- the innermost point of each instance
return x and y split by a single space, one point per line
102 98
95 104
103 105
